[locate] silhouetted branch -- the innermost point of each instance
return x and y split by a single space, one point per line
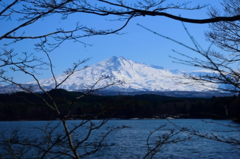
215 136
220 65
165 137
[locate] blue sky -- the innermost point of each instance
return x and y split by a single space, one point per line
134 43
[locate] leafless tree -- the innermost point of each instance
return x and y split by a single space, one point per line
224 71
28 12
69 146
223 64
51 143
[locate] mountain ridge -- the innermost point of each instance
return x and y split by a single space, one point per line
137 77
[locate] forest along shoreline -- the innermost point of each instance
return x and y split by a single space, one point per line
25 106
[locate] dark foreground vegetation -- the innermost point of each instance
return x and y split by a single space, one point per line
25 106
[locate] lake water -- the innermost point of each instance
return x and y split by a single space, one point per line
130 142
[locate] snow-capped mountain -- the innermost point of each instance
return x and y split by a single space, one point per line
136 77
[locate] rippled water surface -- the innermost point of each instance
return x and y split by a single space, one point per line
131 141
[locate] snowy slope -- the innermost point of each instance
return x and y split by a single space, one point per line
137 77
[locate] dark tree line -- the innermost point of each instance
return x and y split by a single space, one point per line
25 106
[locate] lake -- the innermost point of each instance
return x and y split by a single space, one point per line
130 142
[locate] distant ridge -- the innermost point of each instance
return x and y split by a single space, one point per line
138 77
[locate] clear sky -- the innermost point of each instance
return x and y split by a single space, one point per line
134 43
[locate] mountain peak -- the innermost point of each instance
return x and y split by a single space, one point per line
114 62
117 59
